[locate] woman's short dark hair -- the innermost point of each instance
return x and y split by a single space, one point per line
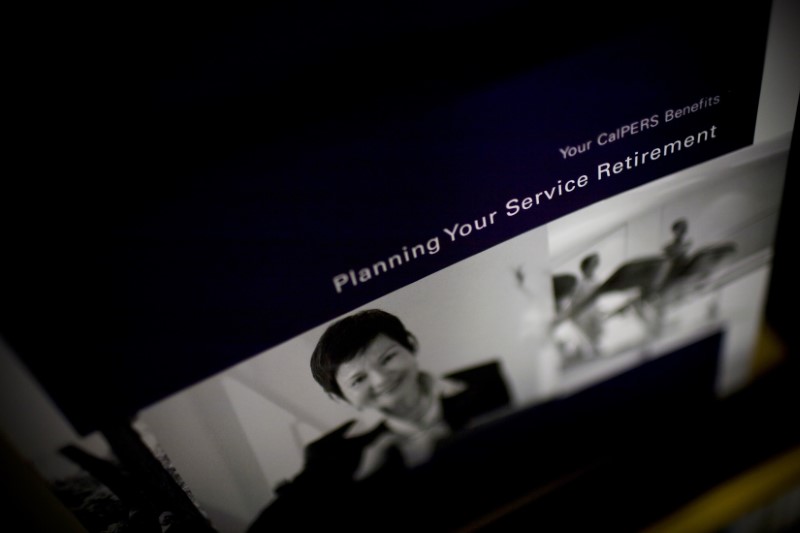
348 337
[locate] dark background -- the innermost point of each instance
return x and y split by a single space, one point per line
211 170
134 234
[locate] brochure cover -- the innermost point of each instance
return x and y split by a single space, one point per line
350 250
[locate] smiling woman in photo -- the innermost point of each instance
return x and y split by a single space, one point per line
403 414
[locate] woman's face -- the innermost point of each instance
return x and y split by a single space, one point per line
383 376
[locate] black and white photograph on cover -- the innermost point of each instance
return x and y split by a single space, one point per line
649 270
380 389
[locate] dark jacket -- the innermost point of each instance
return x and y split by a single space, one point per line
326 484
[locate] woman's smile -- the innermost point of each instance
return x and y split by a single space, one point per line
383 376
